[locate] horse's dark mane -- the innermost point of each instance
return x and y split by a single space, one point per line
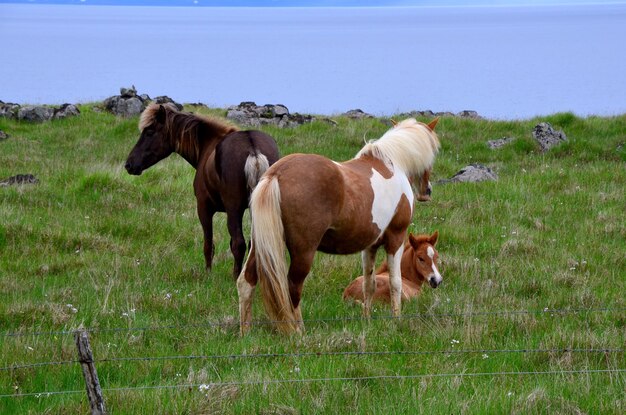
182 128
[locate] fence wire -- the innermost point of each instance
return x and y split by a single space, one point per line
319 354
206 387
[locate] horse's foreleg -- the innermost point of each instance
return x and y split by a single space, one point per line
205 214
237 241
395 280
246 284
368 258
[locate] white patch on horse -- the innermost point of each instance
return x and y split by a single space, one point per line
431 252
387 194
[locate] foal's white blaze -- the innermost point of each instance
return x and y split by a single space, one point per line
387 194
431 253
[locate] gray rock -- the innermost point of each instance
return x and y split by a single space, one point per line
125 107
501 142
472 173
3 135
128 92
548 137
469 114
357 114
164 99
19 179
65 110
280 110
9 110
32 113
250 114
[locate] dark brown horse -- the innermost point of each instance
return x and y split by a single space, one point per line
307 203
228 163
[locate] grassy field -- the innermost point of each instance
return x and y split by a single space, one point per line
534 270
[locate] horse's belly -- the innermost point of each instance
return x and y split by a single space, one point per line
335 242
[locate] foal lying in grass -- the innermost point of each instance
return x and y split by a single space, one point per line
418 265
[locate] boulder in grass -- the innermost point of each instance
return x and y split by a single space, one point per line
357 114
250 114
472 173
64 111
19 179
3 135
501 142
9 110
548 137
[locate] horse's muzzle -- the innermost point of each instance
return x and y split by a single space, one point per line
134 170
433 282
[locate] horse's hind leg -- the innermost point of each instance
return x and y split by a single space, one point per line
205 214
298 270
368 257
246 284
237 241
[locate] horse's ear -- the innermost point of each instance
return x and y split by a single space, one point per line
433 238
394 122
161 115
431 125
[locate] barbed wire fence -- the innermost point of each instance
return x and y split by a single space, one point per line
94 391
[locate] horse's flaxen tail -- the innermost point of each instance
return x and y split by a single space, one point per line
268 237
256 165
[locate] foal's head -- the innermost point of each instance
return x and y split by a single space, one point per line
425 258
154 143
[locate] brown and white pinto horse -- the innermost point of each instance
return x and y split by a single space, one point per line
418 265
306 203
228 163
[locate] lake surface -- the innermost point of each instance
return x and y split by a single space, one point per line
504 62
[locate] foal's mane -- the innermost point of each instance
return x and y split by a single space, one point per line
182 128
410 146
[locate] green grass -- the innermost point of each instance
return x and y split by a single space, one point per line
90 245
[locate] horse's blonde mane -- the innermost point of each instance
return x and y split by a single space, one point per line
181 127
410 146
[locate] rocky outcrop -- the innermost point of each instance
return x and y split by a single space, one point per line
548 137
9 109
19 179
431 114
357 114
128 103
250 114
472 173
37 113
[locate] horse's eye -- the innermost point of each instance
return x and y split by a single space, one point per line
421 259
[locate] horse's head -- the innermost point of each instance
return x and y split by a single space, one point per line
154 143
424 188
425 258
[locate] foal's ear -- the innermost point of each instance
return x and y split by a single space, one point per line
431 125
413 241
161 115
433 238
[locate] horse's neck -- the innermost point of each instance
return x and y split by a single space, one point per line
205 142
407 266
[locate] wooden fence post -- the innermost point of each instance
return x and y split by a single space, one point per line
85 357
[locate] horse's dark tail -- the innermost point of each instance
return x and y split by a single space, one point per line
256 165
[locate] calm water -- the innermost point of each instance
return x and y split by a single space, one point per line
504 62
